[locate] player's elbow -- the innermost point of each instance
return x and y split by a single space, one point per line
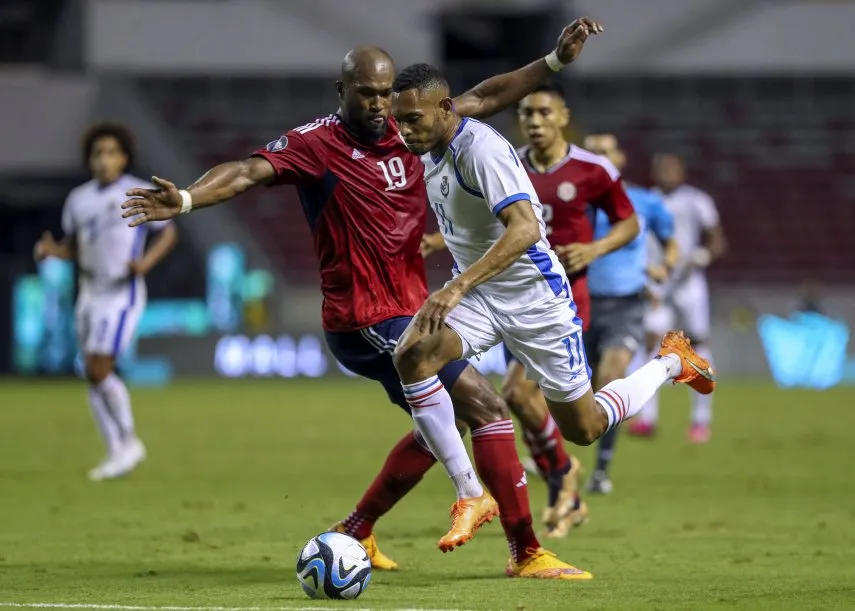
633 228
527 233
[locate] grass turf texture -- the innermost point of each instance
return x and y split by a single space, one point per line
241 474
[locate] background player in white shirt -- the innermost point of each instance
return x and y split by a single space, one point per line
508 284
112 293
684 298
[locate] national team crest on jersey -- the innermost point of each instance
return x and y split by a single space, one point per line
443 186
278 145
566 191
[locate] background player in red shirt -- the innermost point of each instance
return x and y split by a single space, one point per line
567 180
364 197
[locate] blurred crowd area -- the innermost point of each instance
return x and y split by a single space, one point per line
761 115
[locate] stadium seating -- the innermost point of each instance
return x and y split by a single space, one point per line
777 154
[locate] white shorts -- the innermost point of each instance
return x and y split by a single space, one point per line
546 338
687 308
106 324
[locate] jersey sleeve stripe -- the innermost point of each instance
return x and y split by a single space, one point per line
544 263
589 157
460 181
510 199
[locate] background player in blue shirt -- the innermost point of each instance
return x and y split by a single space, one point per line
616 283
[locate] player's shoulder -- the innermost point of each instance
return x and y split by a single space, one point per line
479 134
697 196
589 160
645 201
321 128
129 181
641 193
476 139
82 192
688 190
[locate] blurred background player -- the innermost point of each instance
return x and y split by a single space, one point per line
616 282
356 179
112 261
683 299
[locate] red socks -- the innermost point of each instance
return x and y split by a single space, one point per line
404 468
547 447
499 468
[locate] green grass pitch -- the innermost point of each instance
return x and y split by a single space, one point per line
241 474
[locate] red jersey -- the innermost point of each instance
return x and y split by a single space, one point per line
365 203
566 190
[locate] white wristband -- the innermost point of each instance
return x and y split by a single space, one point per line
186 202
553 62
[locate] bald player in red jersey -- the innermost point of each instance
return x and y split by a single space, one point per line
568 180
364 198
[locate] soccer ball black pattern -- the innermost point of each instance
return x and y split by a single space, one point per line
333 565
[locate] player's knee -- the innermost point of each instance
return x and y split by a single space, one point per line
413 360
579 433
97 369
579 426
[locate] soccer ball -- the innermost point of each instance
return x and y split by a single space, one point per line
333 565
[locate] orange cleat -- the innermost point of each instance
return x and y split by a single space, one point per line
379 560
543 564
467 516
697 372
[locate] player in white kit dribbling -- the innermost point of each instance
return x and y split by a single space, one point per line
111 264
684 298
508 285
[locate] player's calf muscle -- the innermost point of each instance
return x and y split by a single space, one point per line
523 400
476 401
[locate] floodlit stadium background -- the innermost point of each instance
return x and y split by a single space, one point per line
762 114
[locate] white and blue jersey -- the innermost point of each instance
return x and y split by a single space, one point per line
111 301
624 271
528 306
478 176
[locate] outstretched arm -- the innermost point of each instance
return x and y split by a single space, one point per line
431 243
501 91
218 184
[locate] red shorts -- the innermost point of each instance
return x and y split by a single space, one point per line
582 299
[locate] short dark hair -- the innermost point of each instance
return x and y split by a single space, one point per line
121 133
553 87
419 76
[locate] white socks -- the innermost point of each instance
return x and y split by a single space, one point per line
624 398
433 415
118 403
108 427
